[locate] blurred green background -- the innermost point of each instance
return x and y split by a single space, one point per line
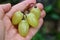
50 30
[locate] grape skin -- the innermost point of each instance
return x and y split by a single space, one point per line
23 28
17 17
36 12
23 25
32 20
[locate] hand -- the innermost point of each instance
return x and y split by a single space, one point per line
3 9
11 33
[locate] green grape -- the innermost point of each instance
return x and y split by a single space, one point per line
32 20
36 12
17 17
23 28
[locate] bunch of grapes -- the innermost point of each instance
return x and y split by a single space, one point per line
26 20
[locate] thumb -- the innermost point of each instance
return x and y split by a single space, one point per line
4 8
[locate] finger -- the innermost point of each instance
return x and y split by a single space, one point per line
31 1
40 6
43 14
6 7
33 31
21 6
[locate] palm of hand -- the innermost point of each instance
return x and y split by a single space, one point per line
11 33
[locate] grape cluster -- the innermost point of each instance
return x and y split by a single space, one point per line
24 21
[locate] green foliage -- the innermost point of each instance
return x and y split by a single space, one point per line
48 8
13 2
2 1
55 16
44 29
58 4
58 36
38 36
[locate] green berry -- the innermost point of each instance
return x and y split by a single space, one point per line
17 17
23 28
36 12
32 20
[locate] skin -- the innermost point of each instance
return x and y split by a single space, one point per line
3 10
7 12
